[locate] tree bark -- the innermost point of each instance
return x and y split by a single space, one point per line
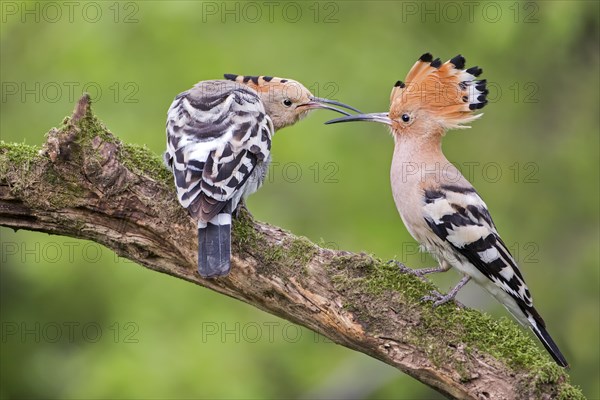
85 183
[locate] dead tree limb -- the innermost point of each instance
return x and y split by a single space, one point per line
85 183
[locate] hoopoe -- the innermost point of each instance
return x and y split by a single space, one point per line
439 207
218 148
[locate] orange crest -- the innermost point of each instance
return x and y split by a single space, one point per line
258 83
271 85
448 91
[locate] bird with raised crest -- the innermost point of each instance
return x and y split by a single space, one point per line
218 147
438 206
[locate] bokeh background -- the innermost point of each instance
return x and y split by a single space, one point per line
80 323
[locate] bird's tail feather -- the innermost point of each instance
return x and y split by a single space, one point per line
539 328
214 246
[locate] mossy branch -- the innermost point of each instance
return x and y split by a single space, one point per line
85 183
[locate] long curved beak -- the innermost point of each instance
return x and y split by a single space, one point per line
318 102
382 118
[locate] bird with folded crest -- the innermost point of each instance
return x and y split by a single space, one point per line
219 137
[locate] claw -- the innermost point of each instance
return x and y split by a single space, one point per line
241 209
432 296
403 268
437 298
419 273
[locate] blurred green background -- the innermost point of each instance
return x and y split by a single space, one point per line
78 322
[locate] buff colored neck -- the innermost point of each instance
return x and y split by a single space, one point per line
420 149
419 164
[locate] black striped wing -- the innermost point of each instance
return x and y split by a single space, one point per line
460 217
217 133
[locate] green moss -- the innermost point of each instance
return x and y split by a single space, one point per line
140 159
17 157
549 373
292 253
376 276
29 173
90 127
17 153
552 374
246 239
17 162
80 142
501 338
243 233
568 392
300 251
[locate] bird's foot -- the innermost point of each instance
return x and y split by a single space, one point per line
438 298
403 268
419 273
242 209
430 270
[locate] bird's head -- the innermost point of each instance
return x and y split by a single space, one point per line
286 101
435 97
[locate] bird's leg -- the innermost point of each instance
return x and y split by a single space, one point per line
241 209
439 299
443 267
403 268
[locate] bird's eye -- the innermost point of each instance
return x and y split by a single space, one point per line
287 102
405 117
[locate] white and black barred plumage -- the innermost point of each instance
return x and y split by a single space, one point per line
439 207
218 147
467 239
